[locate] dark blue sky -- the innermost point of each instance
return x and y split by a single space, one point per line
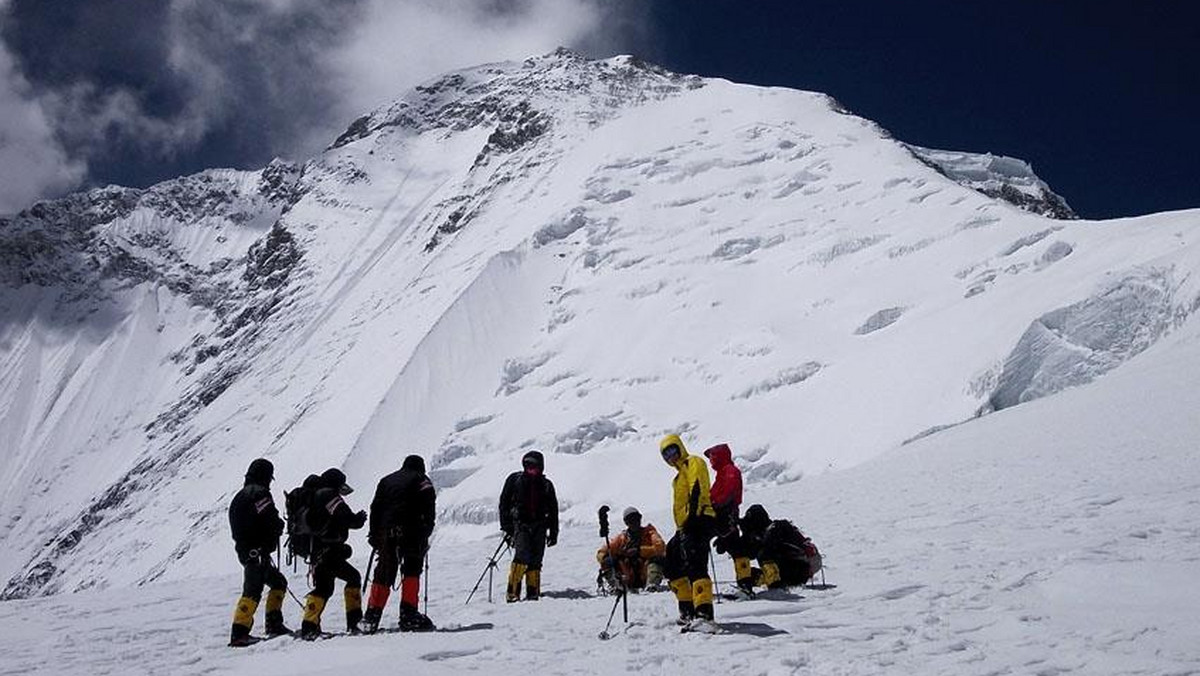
1102 97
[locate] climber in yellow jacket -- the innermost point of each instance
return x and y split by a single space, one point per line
687 551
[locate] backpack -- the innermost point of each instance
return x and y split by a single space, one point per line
300 534
798 545
811 555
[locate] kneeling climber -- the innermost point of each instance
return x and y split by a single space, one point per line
634 558
786 557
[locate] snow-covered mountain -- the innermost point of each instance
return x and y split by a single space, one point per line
570 255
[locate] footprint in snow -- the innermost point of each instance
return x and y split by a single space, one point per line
440 655
900 592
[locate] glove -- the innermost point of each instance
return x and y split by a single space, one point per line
375 540
720 546
551 539
508 539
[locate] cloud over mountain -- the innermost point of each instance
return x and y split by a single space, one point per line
134 91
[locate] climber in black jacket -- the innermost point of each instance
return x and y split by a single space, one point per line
256 526
402 516
331 521
529 519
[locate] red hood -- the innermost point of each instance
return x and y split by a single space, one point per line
719 456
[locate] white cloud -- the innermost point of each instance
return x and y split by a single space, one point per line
401 44
32 162
265 76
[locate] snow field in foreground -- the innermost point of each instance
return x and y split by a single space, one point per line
1057 537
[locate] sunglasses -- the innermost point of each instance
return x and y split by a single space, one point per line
670 453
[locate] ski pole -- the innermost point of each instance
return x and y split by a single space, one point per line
427 581
622 591
491 565
604 635
367 578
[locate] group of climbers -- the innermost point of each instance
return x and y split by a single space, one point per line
318 526
402 518
705 512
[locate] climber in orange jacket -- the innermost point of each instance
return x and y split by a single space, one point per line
637 554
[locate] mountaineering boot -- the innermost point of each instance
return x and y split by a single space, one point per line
410 618
683 594
376 602
702 597
310 628
353 598
533 585
515 573
243 622
745 576
702 625
369 624
771 579
275 625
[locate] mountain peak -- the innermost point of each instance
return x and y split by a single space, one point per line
559 253
561 81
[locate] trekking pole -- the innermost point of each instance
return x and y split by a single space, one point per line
491 565
622 591
427 581
367 577
604 635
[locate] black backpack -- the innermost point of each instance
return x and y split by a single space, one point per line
300 535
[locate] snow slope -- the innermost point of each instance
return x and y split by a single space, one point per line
562 254
1057 537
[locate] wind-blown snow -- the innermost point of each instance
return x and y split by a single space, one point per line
577 257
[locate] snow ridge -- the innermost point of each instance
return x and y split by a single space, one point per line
999 176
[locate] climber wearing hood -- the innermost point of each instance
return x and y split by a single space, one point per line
687 550
331 521
529 519
402 516
727 501
256 527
